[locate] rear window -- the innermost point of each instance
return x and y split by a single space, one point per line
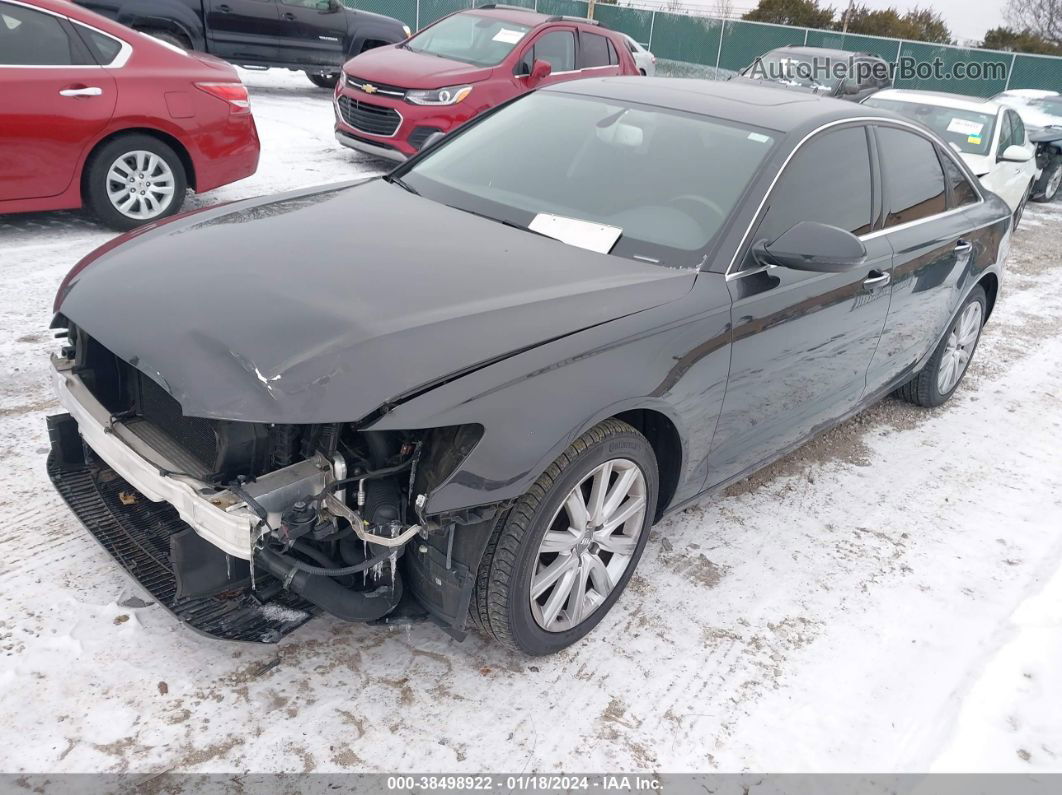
914 181
595 50
104 47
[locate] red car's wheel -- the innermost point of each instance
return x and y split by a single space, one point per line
134 179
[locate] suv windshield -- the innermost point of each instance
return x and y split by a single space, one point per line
470 38
966 130
665 180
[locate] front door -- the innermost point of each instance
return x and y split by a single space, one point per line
313 32
556 47
803 342
56 100
241 30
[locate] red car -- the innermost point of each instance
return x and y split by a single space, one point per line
95 114
392 99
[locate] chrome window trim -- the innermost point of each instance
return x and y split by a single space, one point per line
730 273
117 62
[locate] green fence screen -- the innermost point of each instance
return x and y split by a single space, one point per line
690 43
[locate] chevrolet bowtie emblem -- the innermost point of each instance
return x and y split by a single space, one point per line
368 88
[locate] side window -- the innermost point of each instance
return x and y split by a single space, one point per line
630 46
316 5
1006 132
914 180
613 56
557 48
594 50
32 38
105 48
1018 126
962 192
827 181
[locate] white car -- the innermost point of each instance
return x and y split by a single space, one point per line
645 60
988 135
1042 113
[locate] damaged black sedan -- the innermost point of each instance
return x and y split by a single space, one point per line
468 388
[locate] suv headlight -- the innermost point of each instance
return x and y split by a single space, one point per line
439 96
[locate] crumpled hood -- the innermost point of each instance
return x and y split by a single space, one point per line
322 306
397 66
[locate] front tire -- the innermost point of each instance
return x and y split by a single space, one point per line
1047 186
324 81
945 370
133 180
562 556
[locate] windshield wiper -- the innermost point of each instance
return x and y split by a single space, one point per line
401 183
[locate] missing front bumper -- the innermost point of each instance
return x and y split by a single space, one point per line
140 535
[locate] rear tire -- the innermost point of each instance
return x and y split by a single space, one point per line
613 454
324 81
945 370
111 181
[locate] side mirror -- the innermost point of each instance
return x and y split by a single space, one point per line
328 6
1016 153
850 87
810 246
540 70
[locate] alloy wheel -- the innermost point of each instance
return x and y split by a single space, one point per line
588 545
140 185
961 342
1052 184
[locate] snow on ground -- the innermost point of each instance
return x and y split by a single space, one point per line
884 599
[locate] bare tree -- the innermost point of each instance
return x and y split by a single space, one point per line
1040 17
724 8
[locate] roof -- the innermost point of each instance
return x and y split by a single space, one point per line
516 14
941 99
743 101
824 52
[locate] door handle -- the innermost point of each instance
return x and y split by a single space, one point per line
289 16
877 278
224 9
962 246
83 91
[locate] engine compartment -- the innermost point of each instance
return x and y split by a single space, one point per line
337 505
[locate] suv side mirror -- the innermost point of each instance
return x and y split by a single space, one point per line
810 246
540 70
1016 154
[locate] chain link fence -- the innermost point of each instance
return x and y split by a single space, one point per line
707 46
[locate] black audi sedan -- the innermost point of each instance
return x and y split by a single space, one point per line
468 388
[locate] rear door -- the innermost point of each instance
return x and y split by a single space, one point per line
802 342
312 32
597 55
56 100
926 223
243 30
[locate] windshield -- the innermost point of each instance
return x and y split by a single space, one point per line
805 71
470 38
664 181
967 131
1047 106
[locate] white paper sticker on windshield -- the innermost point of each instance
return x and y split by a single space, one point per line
584 234
759 138
507 36
965 127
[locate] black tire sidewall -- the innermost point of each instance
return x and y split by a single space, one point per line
1045 178
936 397
96 179
324 81
526 633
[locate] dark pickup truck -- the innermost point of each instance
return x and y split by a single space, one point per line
314 36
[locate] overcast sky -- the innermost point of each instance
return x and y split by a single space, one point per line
967 19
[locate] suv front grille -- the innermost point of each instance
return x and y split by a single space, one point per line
369 118
374 88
